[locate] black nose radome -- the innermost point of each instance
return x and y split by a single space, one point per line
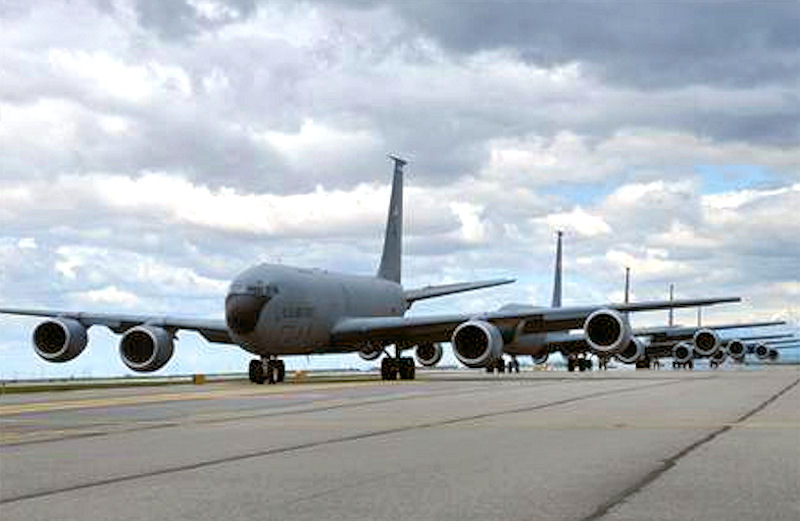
242 312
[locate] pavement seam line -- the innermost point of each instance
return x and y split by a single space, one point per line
314 444
670 462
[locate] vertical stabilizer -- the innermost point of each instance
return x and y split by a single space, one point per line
390 267
627 285
671 310
557 281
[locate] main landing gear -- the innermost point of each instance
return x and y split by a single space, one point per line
683 365
513 365
498 365
270 370
402 366
582 364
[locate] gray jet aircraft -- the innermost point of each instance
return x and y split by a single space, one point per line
644 344
273 310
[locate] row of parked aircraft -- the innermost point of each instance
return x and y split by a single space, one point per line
276 310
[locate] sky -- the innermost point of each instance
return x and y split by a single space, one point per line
151 150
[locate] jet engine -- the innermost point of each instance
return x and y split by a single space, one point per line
540 358
762 351
736 350
370 352
683 352
632 353
477 343
706 342
429 353
607 331
59 339
146 348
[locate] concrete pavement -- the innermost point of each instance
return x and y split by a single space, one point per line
616 445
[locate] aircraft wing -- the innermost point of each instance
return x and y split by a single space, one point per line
413 295
683 333
213 330
439 328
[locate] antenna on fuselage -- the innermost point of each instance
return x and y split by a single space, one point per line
557 281
390 267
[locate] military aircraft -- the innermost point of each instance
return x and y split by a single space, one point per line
274 310
644 346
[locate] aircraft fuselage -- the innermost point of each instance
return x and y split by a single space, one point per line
281 310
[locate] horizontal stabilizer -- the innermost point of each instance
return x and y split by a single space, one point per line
413 295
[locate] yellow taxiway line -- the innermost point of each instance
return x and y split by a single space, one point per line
117 401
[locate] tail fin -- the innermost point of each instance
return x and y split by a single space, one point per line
557 282
627 285
671 311
390 267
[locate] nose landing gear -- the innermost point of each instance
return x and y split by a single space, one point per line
268 369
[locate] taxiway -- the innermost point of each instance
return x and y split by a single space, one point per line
620 445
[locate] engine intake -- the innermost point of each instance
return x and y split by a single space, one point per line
607 331
59 339
145 349
683 352
735 349
632 353
706 342
477 343
762 351
429 353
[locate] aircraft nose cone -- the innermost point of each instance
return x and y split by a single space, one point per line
242 312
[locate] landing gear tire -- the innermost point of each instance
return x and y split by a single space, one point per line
256 372
281 371
571 365
406 369
389 369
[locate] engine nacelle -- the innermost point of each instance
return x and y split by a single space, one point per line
540 358
736 350
683 352
371 352
146 348
59 339
706 342
477 343
761 351
632 353
429 354
607 331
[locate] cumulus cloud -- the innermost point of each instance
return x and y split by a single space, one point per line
148 160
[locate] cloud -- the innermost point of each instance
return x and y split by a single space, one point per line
579 221
151 159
